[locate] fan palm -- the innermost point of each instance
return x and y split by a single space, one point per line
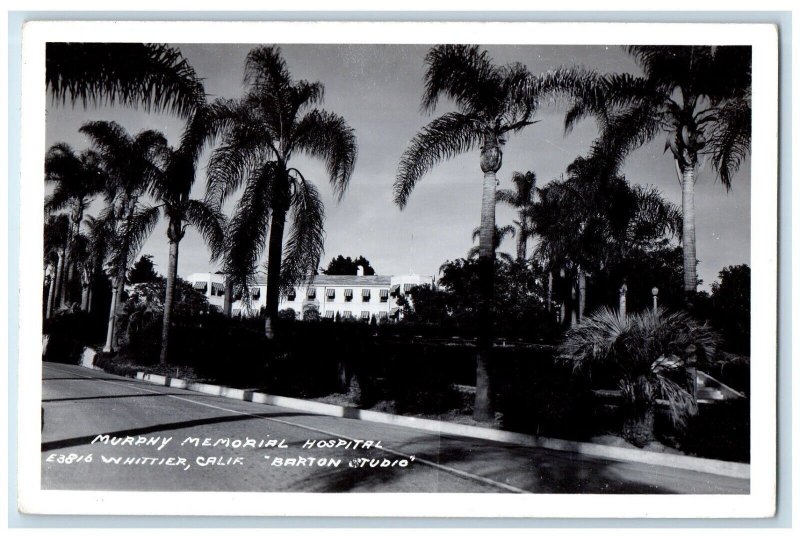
261 134
521 198
650 354
77 179
132 164
493 102
153 76
698 96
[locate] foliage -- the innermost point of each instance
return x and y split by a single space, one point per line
521 198
347 266
153 76
518 303
143 271
649 353
68 333
730 298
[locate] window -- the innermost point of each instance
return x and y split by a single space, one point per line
407 287
384 295
329 314
348 294
256 293
217 289
330 293
347 315
365 316
312 293
365 294
292 295
383 315
201 286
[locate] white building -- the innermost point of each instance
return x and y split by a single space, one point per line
357 297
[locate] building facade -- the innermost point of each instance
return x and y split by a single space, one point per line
357 297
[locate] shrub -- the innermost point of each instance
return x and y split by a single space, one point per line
650 353
68 333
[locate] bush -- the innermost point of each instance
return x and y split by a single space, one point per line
68 333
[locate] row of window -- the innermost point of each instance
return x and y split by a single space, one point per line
330 294
365 315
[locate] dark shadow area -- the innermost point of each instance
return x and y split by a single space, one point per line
83 440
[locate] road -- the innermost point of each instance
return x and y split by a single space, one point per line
167 439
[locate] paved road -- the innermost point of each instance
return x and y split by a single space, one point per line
161 432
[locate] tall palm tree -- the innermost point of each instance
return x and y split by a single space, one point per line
521 198
698 96
262 132
56 231
77 179
153 76
493 103
132 164
95 245
172 192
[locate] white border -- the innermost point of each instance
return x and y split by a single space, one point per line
759 503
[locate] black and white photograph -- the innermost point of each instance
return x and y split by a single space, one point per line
498 260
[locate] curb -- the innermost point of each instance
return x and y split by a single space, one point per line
624 454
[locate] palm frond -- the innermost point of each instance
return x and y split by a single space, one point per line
327 136
730 141
137 229
153 76
210 222
248 228
306 241
444 138
464 74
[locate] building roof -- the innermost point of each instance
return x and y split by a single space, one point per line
342 280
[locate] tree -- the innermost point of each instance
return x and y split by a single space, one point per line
56 231
172 192
77 179
131 165
650 354
95 245
346 266
500 234
143 271
521 198
730 299
153 76
698 96
262 132
492 103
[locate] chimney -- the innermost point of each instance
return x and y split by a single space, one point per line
360 271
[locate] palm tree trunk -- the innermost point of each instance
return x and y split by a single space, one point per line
118 285
274 257
58 281
581 293
689 244
522 242
227 304
85 284
51 293
491 158
549 291
169 298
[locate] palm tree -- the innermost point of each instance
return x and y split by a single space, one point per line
698 96
650 353
500 234
132 165
521 198
56 230
153 76
172 191
262 132
493 102
77 179
93 251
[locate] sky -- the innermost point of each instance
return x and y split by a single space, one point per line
377 89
